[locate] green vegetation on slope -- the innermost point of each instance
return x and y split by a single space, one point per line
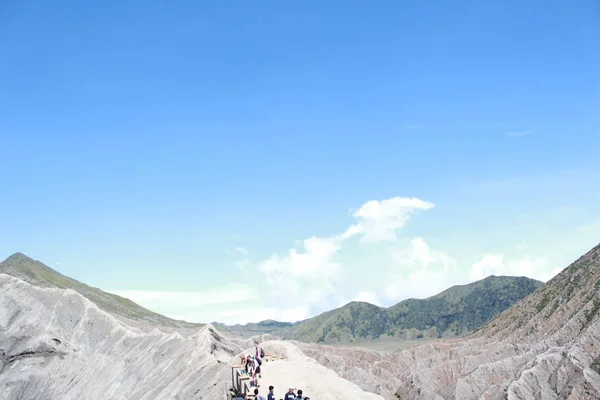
454 312
38 274
251 329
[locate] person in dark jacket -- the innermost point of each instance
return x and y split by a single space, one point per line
255 372
258 354
290 395
271 396
249 365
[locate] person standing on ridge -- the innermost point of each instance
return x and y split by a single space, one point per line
258 396
249 364
290 395
271 396
259 354
255 371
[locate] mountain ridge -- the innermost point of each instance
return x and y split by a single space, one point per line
545 346
38 274
440 315
450 313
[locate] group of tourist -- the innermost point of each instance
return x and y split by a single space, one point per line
290 395
252 364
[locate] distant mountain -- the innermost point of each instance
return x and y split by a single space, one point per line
454 312
38 274
546 346
253 329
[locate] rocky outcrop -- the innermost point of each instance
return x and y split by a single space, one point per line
547 346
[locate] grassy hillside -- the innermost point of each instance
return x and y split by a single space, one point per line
454 312
252 329
36 273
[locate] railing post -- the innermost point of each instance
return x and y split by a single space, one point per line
233 377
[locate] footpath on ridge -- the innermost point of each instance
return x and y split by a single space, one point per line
298 371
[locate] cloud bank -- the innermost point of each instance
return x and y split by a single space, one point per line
370 260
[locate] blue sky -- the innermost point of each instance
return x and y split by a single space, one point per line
142 143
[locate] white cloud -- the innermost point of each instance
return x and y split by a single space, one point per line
239 250
293 314
379 220
419 271
244 315
302 277
169 302
520 133
316 259
495 264
367 297
242 254
370 261
233 313
311 277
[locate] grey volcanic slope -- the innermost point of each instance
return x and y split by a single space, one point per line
56 344
547 346
38 274
453 312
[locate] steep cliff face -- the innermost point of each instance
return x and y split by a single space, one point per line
547 346
55 344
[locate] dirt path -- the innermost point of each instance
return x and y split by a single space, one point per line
301 372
